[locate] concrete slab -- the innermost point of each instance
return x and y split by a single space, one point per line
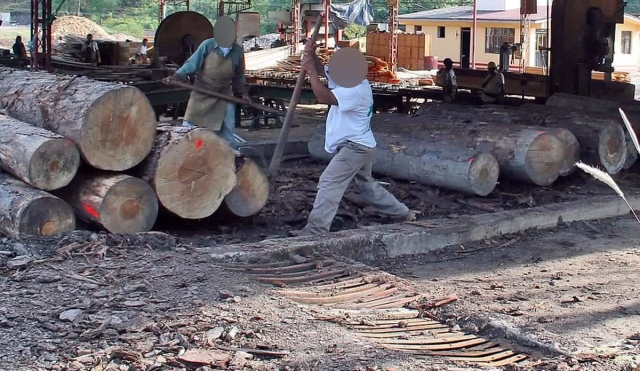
370 244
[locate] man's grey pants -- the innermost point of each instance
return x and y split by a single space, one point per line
353 161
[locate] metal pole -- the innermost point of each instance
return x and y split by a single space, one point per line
473 34
327 3
547 52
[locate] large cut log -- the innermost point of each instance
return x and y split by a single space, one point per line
632 154
601 138
524 154
25 211
251 192
36 156
118 203
432 163
112 124
191 170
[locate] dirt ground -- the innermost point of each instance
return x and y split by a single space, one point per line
91 301
574 288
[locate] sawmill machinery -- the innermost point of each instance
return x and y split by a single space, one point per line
582 39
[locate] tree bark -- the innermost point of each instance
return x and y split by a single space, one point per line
251 192
600 137
36 156
191 170
523 154
436 164
25 211
118 203
632 154
112 124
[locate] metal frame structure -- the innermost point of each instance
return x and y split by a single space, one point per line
162 7
525 39
296 24
232 7
393 33
42 17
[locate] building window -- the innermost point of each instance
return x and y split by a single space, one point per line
417 28
496 37
441 32
402 27
626 42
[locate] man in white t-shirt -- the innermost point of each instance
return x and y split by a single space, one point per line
349 135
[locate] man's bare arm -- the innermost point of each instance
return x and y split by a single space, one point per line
322 93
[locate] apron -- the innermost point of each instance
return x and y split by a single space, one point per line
90 54
217 75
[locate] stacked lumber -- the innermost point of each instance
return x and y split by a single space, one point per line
79 148
378 70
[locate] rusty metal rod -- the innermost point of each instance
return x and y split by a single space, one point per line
293 103
228 98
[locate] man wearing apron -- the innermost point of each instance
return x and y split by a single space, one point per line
217 69
90 51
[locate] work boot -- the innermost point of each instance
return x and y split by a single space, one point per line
411 216
304 232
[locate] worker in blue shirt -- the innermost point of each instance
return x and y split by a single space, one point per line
217 69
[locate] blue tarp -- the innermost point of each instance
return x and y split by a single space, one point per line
357 12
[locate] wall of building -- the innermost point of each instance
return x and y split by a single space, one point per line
627 62
450 45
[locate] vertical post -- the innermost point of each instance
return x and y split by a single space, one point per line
473 34
393 34
296 25
47 17
547 52
327 3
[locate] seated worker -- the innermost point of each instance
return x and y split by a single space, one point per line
19 50
141 52
493 85
446 79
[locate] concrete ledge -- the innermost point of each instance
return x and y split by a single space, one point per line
374 243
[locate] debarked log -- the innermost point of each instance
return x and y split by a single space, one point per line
432 163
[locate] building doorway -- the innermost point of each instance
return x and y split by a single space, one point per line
465 47
541 42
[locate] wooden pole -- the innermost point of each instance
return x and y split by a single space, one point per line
227 98
295 97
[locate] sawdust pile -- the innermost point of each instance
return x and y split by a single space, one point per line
80 27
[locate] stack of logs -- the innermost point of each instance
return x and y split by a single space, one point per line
74 147
468 149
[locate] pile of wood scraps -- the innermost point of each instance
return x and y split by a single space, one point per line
378 71
94 151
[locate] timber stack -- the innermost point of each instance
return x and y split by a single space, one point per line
73 148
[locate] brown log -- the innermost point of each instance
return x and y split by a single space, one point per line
524 154
251 192
26 211
422 160
118 203
36 156
191 170
600 137
112 124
